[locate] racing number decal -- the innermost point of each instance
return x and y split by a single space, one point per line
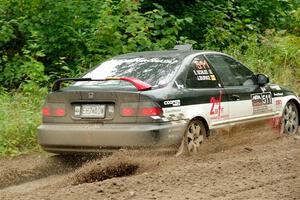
261 102
266 98
218 111
216 102
203 71
260 99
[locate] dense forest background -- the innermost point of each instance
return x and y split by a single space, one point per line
42 40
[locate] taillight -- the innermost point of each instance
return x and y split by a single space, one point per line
59 112
53 110
128 112
140 109
150 111
46 111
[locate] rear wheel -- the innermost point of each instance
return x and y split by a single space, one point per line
193 137
290 119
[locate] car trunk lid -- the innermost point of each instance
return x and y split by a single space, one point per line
89 103
90 106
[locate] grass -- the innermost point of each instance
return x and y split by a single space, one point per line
20 114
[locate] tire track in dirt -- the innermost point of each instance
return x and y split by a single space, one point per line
29 168
237 164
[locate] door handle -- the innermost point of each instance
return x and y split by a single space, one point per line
235 97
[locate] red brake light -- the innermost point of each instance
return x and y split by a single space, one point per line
46 111
59 112
51 110
140 109
150 111
128 112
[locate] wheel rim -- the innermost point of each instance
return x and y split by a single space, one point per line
194 137
290 119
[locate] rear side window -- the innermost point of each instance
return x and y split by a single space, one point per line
200 74
231 72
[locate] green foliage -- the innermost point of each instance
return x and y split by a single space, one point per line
21 70
219 23
277 55
68 37
239 21
295 21
44 32
122 28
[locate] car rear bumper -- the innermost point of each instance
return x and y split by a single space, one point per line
95 137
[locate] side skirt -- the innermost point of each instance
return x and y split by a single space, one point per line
232 122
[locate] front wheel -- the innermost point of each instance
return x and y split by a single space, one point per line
193 137
290 118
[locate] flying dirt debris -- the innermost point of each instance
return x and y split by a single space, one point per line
118 165
241 163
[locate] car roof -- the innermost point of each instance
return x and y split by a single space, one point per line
169 53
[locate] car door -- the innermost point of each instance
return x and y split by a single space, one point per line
246 98
204 92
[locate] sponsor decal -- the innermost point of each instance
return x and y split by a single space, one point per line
217 110
200 72
157 60
277 94
278 104
213 77
203 78
259 99
261 102
173 110
172 102
275 87
204 75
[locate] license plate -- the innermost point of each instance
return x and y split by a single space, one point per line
93 111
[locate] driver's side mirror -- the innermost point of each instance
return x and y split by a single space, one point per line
262 79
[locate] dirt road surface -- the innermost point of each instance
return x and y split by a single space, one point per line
243 163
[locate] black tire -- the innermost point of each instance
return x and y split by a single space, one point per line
290 118
195 134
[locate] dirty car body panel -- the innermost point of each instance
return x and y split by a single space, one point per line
111 113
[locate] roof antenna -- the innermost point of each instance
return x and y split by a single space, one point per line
186 47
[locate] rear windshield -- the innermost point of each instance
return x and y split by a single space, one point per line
154 71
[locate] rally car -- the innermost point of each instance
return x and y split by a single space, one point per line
160 99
